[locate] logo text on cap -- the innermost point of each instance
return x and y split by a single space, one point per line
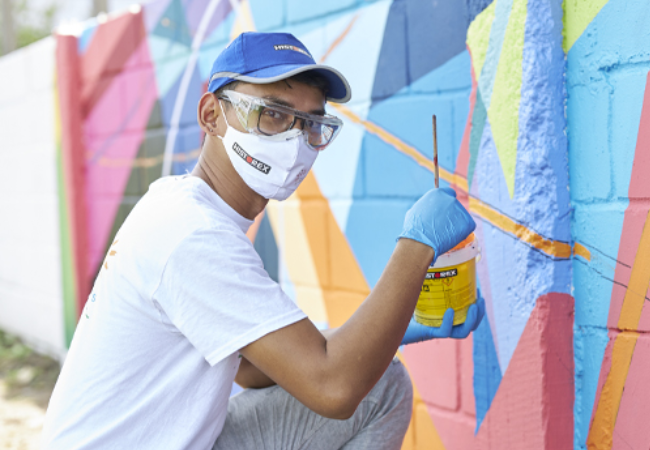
291 47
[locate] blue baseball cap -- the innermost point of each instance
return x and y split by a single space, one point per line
262 58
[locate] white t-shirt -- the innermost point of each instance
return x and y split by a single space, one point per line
155 353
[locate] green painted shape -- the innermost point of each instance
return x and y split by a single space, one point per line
479 116
503 111
478 37
578 14
68 275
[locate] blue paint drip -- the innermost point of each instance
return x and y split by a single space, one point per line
487 374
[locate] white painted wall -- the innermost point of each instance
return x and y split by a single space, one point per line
31 299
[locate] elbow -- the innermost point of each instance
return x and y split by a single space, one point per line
340 404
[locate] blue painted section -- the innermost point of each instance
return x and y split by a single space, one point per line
337 180
236 389
268 15
363 40
453 75
589 157
407 52
599 229
173 26
487 373
372 228
188 114
489 177
626 105
541 175
519 274
267 248
388 173
588 349
86 36
299 11
479 118
475 7
497 33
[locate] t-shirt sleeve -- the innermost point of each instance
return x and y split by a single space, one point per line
215 290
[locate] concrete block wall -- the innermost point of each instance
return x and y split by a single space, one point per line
31 294
541 108
608 118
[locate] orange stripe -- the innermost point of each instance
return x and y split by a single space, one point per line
581 250
602 428
339 39
638 285
554 248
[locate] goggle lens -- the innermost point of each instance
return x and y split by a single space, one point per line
260 117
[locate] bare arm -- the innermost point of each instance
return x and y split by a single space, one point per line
331 375
249 376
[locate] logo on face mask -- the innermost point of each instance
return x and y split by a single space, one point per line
259 165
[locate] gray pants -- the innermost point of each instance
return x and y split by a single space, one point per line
271 419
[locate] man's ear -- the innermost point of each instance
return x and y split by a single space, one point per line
207 113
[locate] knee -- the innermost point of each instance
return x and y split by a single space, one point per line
396 385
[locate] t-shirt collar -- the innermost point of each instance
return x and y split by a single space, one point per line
241 221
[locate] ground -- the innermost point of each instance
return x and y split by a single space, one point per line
26 383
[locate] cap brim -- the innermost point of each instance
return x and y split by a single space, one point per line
339 89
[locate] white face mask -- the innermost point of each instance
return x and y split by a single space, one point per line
272 166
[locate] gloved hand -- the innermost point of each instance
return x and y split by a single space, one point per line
438 220
416 332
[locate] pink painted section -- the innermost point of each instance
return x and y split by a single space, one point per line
533 407
636 213
433 366
456 431
467 402
631 430
114 130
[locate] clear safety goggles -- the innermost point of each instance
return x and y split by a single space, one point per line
265 118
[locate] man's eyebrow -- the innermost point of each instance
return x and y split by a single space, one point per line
279 101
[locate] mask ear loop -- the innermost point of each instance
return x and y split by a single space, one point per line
224 117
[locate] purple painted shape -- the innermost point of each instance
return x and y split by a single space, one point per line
114 130
152 13
194 12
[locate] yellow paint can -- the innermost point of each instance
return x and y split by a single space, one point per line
449 283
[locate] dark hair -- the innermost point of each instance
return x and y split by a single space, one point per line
310 78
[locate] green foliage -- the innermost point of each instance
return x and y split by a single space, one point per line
31 24
20 366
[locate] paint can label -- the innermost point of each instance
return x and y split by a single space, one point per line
447 287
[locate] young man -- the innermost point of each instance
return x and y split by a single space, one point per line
183 306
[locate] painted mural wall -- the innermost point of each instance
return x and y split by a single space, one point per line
541 107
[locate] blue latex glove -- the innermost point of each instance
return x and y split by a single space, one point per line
417 332
438 220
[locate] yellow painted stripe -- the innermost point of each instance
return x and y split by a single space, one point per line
602 428
554 248
638 285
